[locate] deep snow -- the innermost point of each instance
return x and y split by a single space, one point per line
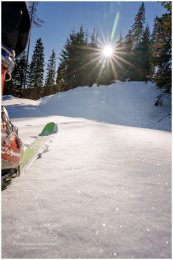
99 190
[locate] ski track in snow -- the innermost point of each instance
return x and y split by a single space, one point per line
99 191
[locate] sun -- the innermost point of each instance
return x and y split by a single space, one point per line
108 51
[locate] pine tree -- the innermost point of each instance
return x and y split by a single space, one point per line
128 46
35 22
72 66
93 68
137 34
146 55
62 76
36 72
60 81
65 76
162 50
49 87
138 27
80 48
73 61
120 60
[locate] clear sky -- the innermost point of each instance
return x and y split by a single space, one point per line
110 19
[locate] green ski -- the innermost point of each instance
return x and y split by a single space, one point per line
31 153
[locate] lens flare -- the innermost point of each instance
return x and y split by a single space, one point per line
107 51
117 16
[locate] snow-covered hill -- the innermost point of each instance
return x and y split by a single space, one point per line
123 103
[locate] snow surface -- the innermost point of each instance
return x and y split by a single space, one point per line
99 190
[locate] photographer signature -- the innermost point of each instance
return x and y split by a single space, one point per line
36 231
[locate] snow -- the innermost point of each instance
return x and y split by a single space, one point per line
102 189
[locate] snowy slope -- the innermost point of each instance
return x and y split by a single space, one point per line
124 103
99 190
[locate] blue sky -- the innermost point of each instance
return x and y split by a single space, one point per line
60 18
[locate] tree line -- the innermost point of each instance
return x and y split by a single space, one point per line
141 55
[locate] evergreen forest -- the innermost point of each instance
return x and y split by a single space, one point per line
141 55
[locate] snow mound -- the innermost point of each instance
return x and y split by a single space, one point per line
11 100
7 97
21 107
124 103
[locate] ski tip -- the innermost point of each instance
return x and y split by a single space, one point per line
50 128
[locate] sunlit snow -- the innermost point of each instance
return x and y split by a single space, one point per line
102 189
